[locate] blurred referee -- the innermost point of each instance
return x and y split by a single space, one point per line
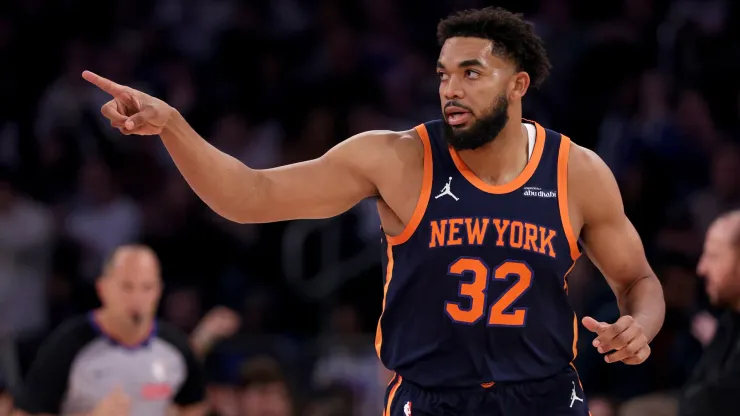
118 360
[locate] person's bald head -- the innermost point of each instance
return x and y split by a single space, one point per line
130 285
131 256
720 260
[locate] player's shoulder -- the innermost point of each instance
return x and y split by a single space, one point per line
592 186
173 336
391 140
585 165
380 151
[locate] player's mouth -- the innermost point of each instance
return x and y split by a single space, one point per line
457 116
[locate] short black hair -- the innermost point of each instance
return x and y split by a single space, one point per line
512 37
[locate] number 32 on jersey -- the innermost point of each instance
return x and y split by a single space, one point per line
477 290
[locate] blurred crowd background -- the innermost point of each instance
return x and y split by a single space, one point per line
650 85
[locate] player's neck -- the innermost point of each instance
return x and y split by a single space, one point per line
125 333
504 158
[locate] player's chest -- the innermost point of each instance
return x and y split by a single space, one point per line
491 240
507 225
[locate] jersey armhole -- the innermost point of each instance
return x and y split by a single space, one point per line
563 156
426 191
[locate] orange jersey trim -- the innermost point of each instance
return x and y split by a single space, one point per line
575 317
391 396
408 231
388 277
515 184
426 191
563 196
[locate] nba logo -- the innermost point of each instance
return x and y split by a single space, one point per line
407 409
158 371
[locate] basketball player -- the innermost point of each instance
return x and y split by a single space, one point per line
117 361
482 213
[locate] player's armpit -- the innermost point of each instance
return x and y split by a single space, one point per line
612 242
319 188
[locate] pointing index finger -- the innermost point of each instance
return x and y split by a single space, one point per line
103 83
593 325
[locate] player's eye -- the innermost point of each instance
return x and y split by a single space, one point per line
469 73
442 76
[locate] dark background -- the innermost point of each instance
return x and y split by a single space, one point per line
650 85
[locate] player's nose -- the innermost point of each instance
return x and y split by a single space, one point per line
453 90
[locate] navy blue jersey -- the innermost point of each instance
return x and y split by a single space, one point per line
475 286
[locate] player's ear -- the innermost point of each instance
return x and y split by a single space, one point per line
519 84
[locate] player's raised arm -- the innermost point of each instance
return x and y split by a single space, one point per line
318 188
614 246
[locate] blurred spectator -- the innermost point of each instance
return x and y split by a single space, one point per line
714 387
264 390
723 193
650 405
219 323
600 406
64 101
6 399
26 239
349 359
223 400
100 206
333 401
182 308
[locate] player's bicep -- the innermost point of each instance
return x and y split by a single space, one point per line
327 186
616 249
611 241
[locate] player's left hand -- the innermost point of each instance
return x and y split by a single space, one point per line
625 337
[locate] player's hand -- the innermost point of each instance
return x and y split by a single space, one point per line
117 403
131 111
624 337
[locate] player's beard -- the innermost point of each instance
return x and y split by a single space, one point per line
483 131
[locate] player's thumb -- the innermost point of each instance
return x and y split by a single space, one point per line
139 119
593 325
